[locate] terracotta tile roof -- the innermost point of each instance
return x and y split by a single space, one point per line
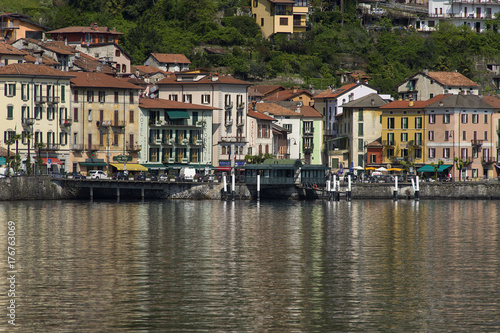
333 94
159 103
493 101
415 104
461 101
376 143
452 79
84 30
266 89
33 70
308 111
87 63
47 61
150 70
260 115
208 79
275 109
372 100
287 95
99 80
171 58
9 49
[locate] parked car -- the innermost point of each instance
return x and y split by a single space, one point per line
375 179
77 175
98 174
153 177
140 176
388 178
56 175
164 178
119 176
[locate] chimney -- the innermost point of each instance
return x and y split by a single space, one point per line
410 103
294 90
372 102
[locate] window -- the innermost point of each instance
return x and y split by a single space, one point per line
117 53
474 173
172 97
75 96
360 129
360 144
89 117
10 89
464 118
474 135
50 113
205 99
90 96
446 118
485 135
25 92
360 115
390 139
464 135
446 135
131 116
115 139
475 118
187 98
485 118
390 123
373 158
262 22
404 137
404 123
102 96
10 111
418 153
418 122
25 112
255 3
63 138
124 68
283 20
463 153
431 135
227 101
131 97
390 153
116 96
432 152
418 139
288 127
432 119
446 152
38 112
75 115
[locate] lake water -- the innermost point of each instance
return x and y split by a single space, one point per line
282 266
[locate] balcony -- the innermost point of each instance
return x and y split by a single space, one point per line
9 25
228 123
241 106
156 123
40 99
388 143
52 100
170 160
28 121
476 143
308 147
184 160
229 105
488 160
197 142
183 142
118 123
93 147
240 123
415 143
77 147
66 122
103 123
308 132
154 140
132 147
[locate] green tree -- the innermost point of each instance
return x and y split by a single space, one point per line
460 164
436 167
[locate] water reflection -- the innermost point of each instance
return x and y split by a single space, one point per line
256 266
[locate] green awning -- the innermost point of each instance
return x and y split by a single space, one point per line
178 114
426 168
153 166
93 164
443 167
3 161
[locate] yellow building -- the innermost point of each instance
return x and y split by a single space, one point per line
403 132
280 16
105 121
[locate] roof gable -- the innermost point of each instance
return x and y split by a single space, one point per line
99 80
171 58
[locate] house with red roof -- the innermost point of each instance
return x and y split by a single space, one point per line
260 134
425 85
230 98
291 95
105 113
9 54
15 26
168 62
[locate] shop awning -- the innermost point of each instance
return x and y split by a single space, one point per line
53 160
157 166
3 161
223 168
93 164
178 114
130 167
443 167
426 168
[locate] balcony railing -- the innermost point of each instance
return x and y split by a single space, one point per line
309 131
104 123
415 143
50 147
118 123
228 123
77 147
309 146
240 106
132 147
66 122
488 159
476 142
184 160
9 25
93 147
388 143
28 121
40 99
52 100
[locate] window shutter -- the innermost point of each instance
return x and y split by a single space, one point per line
14 93
6 89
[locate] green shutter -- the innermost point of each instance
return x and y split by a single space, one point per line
15 88
5 88
63 93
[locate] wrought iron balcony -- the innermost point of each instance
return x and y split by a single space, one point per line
476 142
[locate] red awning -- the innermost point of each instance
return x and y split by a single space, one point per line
223 168
53 160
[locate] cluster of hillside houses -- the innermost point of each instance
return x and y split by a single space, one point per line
76 102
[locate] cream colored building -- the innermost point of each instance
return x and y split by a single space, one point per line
105 114
36 101
229 97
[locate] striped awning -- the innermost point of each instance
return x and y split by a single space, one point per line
129 167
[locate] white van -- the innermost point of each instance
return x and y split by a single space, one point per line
187 174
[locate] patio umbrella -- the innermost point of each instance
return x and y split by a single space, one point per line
358 168
395 169
370 168
381 169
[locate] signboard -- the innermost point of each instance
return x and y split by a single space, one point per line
49 161
122 158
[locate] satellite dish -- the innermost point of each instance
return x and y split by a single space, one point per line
153 89
152 96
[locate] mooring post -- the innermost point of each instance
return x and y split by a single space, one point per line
233 185
328 190
417 189
118 194
334 187
395 192
225 187
142 194
258 187
91 193
348 192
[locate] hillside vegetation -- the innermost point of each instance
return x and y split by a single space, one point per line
311 59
